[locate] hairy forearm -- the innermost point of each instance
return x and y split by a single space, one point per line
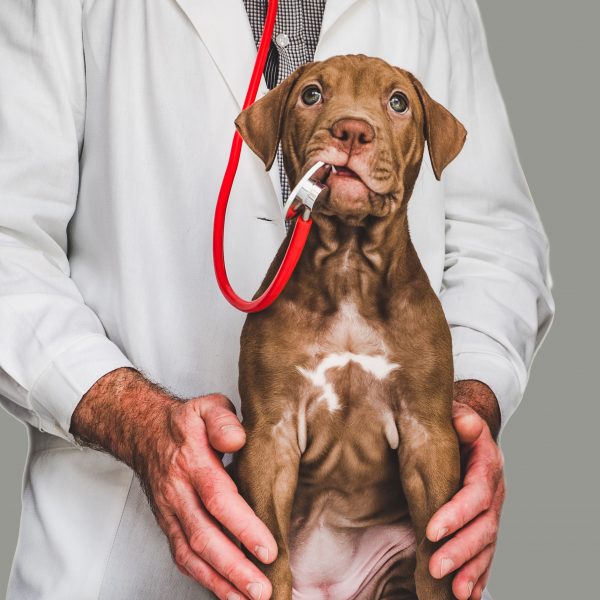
121 414
481 399
173 448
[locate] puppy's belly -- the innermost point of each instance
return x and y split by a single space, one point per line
332 563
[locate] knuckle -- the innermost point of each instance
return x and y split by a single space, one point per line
487 496
168 493
224 401
203 576
491 532
210 580
201 573
211 402
232 571
200 404
451 516
173 534
199 542
454 520
461 517
180 555
182 465
206 476
216 503
208 484
469 550
243 532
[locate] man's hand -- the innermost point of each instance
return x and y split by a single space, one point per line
473 515
173 447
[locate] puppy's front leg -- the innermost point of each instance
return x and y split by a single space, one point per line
267 475
430 472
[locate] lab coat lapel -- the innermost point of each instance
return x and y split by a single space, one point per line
224 28
334 10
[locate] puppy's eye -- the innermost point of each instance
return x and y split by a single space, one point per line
399 102
311 95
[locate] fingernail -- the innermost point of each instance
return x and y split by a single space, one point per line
255 590
446 567
233 596
442 531
470 588
262 553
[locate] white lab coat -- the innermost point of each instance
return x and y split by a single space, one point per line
115 125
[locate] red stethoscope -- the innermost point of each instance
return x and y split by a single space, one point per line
306 191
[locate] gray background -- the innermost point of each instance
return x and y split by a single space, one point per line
543 52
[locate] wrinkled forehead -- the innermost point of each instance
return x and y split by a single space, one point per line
357 77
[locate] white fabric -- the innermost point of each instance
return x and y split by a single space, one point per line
115 125
153 575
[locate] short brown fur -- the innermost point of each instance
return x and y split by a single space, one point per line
359 288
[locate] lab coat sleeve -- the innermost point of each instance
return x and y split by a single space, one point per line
496 284
52 346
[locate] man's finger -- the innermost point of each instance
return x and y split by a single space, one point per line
224 430
221 499
203 572
219 495
484 473
465 545
480 585
467 423
208 542
469 501
191 565
463 585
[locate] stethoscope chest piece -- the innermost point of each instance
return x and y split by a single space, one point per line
305 194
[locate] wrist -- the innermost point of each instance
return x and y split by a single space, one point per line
123 414
478 396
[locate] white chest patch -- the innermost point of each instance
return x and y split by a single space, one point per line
377 365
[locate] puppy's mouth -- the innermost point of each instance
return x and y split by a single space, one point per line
347 195
352 192
343 171
345 182
348 174
330 174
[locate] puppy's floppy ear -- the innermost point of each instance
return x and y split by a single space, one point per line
261 123
444 133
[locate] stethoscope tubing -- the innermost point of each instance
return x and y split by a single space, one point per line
302 225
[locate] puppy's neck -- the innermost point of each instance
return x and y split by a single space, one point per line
341 261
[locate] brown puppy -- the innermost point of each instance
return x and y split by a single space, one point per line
346 381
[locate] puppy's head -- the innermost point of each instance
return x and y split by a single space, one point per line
367 118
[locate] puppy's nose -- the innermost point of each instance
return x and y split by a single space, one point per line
353 133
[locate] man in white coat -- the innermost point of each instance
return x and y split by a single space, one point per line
115 124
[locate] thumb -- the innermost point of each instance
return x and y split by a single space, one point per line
468 424
224 430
